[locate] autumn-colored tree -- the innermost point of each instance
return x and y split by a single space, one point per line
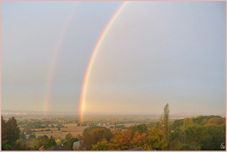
25 146
103 145
139 140
156 139
216 121
36 144
211 124
43 141
92 135
121 140
44 138
59 142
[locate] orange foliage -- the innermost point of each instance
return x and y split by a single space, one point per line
121 140
216 120
210 124
138 140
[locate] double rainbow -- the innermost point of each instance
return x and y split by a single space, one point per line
91 61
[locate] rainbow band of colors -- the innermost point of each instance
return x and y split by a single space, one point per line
55 58
95 51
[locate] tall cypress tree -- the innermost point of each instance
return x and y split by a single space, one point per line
166 126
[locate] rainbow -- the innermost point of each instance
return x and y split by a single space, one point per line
95 51
47 99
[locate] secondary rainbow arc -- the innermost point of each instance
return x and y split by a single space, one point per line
58 49
94 53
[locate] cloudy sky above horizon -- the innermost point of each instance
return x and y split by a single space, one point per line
155 53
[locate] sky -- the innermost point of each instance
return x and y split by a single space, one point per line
154 53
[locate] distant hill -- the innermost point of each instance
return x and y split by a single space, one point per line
200 120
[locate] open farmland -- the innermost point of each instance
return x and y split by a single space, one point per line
69 128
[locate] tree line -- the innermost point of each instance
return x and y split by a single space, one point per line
14 139
195 133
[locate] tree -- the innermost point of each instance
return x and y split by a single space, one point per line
41 141
25 146
49 142
121 140
5 145
216 121
31 137
139 140
166 126
141 128
197 134
156 138
36 144
4 129
68 136
69 141
92 135
103 145
187 121
10 133
59 142
22 135
217 134
177 124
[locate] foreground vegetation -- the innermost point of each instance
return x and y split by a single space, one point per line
195 133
